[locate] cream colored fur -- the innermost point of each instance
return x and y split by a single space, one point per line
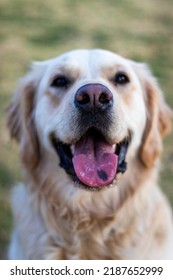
54 218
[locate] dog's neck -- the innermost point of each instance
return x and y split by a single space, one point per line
73 215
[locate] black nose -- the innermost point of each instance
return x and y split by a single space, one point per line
93 96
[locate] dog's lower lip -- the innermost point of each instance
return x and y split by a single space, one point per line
66 155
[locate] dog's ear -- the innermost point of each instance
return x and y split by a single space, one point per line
159 116
20 118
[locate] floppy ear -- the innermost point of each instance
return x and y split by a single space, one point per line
20 120
158 117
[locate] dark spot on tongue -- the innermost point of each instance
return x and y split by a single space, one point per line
102 174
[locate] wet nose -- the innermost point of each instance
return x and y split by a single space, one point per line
93 96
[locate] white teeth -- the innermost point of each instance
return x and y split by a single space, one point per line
72 149
113 183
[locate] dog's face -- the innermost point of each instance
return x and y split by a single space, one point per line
95 111
90 106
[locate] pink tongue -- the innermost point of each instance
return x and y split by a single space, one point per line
94 161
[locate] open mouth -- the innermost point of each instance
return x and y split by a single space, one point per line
92 162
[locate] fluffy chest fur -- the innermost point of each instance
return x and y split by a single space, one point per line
94 227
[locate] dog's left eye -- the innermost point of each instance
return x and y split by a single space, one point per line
60 82
121 78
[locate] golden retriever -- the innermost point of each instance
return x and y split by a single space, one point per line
90 124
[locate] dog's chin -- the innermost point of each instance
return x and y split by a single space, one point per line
92 162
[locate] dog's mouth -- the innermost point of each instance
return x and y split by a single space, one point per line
92 161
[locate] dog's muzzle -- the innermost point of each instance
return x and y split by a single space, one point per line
94 162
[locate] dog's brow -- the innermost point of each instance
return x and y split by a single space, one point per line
68 70
110 70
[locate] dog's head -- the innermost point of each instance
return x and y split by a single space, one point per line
94 111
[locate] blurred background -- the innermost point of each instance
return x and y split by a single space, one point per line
41 29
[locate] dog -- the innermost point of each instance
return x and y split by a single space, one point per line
90 125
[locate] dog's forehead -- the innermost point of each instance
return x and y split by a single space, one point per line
89 59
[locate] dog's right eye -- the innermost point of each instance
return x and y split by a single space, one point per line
60 82
121 78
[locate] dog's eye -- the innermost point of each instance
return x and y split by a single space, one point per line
121 78
60 82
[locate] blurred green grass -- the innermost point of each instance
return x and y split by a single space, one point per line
36 29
